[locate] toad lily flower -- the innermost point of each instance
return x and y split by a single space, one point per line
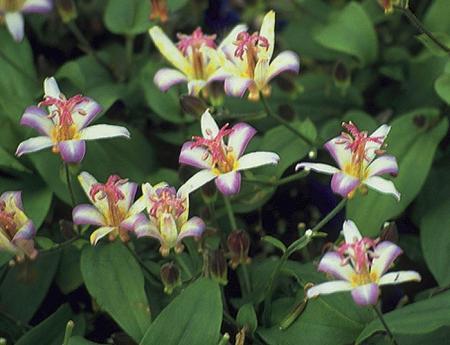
12 11
113 210
220 161
249 68
360 265
360 160
65 128
168 211
193 57
16 230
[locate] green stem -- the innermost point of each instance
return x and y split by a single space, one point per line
224 340
280 182
383 321
129 47
69 328
150 275
416 22
297 244
60 245
283 121
230 213
180 261
69 184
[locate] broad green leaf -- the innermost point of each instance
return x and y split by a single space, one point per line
9 162
246 317
413 135
115 280
176 4
340 34
68 277
435 239
51 330
26 285
127 17
434 48
436 18
193 317
418 318
442 87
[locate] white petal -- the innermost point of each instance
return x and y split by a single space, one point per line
351 232
328 288
209 125
103 132
229 183
268 31
384 255
37 6
331 263
340 154
261 73
285 61
195 156
399 277
381 133
383 165
15 24
343 184
240 137
236 86
231 37
195 86
196 181
51 88
257 159
319 167
383 186
98 234
367 294
33 145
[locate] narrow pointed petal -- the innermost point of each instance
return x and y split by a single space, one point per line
399 277
15 25
138 206
351 232
383 165
36 118
257 159
383 186
26 232
72 151
169 50
195 86
51 87
87 181
328 288
286 61
240 137
196 181
98 234
87 215
16 196
37 6
103 132
366 294
33 145
343 184
208 125
165 78
340 154
268 31
385 254
90 109
231 37
129 191
229 183
261 73
331 263
130 223
380 133
319 167
236 86
5 243
148 229
197 157
194 227
168 229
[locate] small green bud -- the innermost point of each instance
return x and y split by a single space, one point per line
170 276
217 266
192 105
66 10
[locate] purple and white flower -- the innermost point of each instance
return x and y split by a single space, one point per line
222 161
16 229
113 210
361 161
168 211
360 266
65 127
13 10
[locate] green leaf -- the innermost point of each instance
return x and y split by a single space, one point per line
417 318
80 341
26 286
436 18
115 280
68 277
274 242
432 46
9 162
193 317
340 34
127 17
246 317
442 87
175 5
413 135
435 228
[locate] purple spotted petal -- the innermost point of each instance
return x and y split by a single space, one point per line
85 214
36 118
194 227
340 154
384 255
26 232
236 86
383 165
129 191
331 263
33 145
85 112
286 61
132 222
165 78
72 151
229 183
366 294
37 6
343 184
240 137
329 288
197 157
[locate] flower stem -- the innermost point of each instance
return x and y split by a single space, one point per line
69 328
417 23
280 182
296 245
69 184
283 121
150 275
180 261
129 46
245 275
383 321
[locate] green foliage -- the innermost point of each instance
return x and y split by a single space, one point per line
128 18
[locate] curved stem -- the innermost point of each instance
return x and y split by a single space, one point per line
180 261
280 182
383 321
417 23
230 213
283 121
329 216
69 184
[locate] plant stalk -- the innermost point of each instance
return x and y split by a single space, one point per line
386 327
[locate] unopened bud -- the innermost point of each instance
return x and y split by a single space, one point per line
389 232
66 10
308 233
214 92
238 244
170 276
217 266
193 105
388 5
312 154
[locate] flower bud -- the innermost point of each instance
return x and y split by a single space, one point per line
66 10
170 276
192 105
217 266
215 93
159 11
238 244
389 232
341 76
